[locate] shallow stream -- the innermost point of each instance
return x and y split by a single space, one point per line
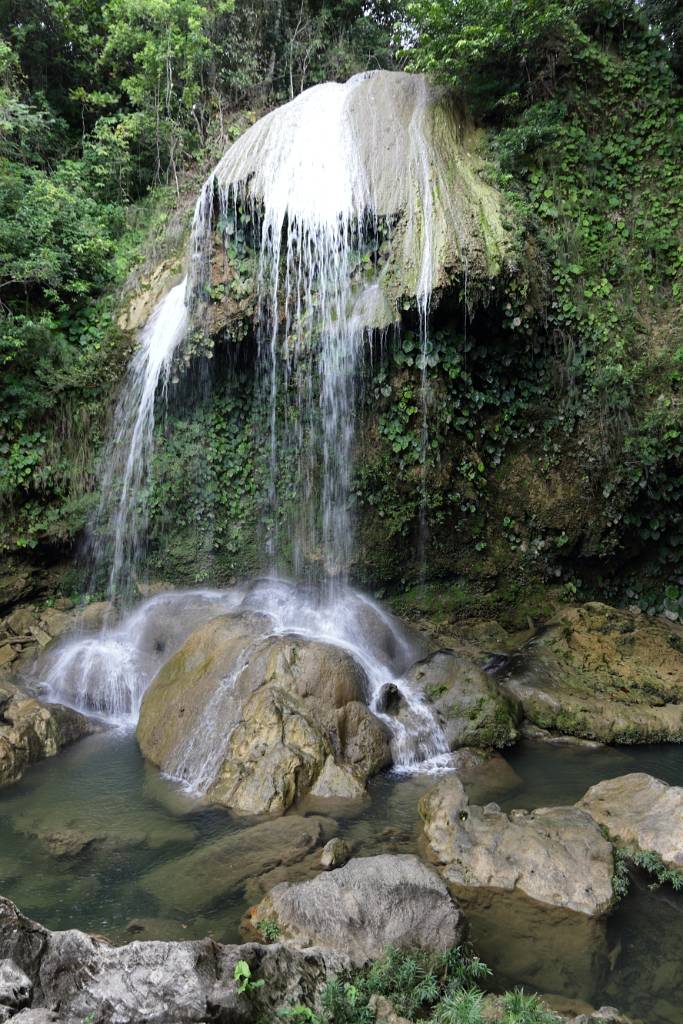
137 874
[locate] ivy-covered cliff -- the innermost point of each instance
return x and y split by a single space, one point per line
555 441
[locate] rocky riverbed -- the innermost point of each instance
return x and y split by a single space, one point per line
530 864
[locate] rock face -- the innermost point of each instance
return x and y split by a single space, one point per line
366 906
84 978
640 811
31 731
270 715
602 674
555 855
471 707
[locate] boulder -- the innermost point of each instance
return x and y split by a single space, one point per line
642 812
470 705
365 907
601 674
94 616
260 719
15 986
215 870
555 855
79 977
31 731
338 781
335 854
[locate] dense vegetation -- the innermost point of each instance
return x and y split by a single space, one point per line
556 433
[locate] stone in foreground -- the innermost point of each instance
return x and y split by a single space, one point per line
640 811
78 977
554 855
365 907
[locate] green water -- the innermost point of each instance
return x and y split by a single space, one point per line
101 793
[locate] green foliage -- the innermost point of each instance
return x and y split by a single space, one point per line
243 978
651 862
520 1008
439 987
269 929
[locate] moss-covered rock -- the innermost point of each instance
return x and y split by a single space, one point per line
471 707
31 731
602 674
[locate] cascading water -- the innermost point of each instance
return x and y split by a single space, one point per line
349 193
127 456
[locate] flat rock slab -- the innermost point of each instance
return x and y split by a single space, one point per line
365 907
641 811
554 855
216 869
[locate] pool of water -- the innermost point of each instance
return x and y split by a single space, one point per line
96 839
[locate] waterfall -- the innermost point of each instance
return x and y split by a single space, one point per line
121 517
349 195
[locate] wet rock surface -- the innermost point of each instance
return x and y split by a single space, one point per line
472 709
600 673
78 977
641 812
219 868
365 907
556 855
31 730
279 715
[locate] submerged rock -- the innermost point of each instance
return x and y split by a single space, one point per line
554 855
258 721
31 731
601 674
471 707
365 907
219 868
79 977
642 812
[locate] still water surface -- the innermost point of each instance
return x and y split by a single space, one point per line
131 823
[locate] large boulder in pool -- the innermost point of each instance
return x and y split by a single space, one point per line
254 720
554 855
470 705
601 673
31 731
640 812
365 907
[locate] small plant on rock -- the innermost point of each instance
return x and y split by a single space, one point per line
269 929
243 978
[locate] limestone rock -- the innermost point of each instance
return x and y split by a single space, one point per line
338 781
15 987
291 712
335 853
601 674
640 811
31 731
366 906
79 977
555 855
470 704
385 1012
216 869
94 615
